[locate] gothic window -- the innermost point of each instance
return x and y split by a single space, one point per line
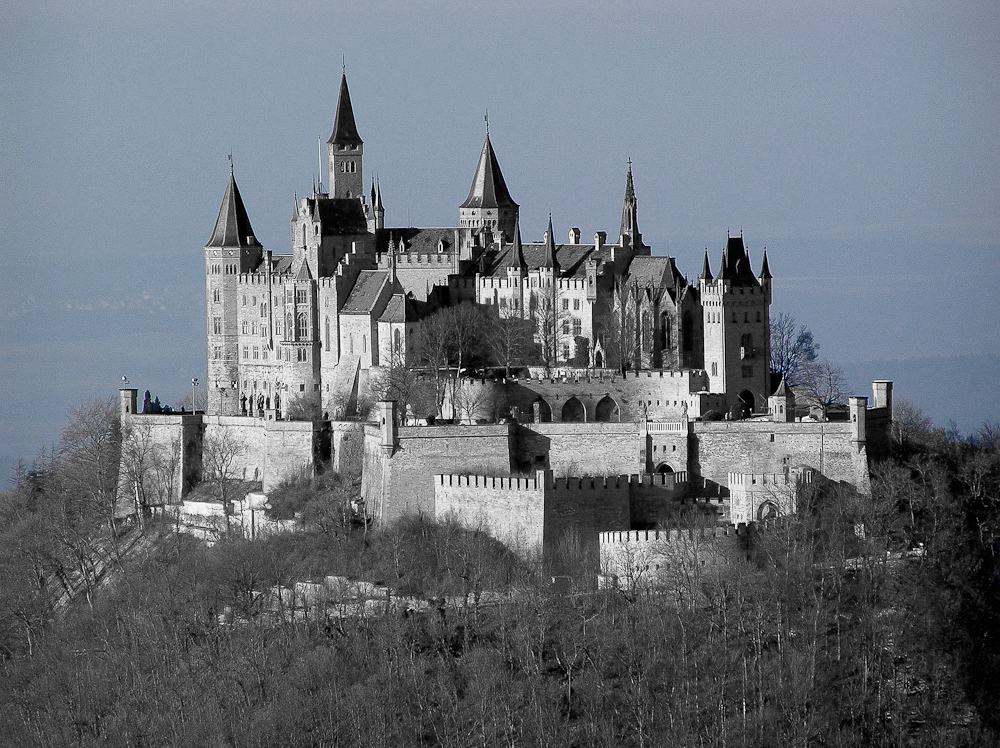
288 323
565 351
300 296
577 327
364 344
565 327
715 369
217 325
397 340
576 303
666 332
565 305
263 309
216 353
216 295
301 327
246 327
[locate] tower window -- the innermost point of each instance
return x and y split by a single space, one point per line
217 325
301 327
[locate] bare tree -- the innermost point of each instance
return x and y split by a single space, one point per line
395 382
620 327
793 350
909 421
89 454
826 385
508 337
220 455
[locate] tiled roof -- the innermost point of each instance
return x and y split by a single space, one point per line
399 309
366 291
736 267
232 227
572 258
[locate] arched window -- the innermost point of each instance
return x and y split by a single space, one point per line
364 344
397 340
666 332
350 343
326 331
301 327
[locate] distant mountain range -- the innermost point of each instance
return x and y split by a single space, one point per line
965 389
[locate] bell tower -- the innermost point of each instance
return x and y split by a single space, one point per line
345 149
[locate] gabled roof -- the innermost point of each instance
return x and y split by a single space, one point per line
232 227
572 258
645 270
488 187
366 292
399 309
345 132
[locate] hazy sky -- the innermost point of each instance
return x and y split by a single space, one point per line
858 142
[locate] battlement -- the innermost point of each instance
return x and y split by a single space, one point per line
665 536
760 481
486 482
407 259
666 427
569 483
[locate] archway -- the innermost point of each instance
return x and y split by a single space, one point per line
767 510
542 412
664 469
607 410
598 360
573 411
746 397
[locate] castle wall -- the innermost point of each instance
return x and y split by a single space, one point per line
510 509
165 450
577 509
676 559
655 499
406 477
718 448
750 492
577 448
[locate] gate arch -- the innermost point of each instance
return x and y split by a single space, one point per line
573 411
607 410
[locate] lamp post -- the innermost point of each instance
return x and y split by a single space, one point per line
194 383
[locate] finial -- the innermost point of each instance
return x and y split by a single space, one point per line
486 119
630 163
343 65
230 162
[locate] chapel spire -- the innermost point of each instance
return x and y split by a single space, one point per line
518 251
550 248
629 233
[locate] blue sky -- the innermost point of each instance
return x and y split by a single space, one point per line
857 142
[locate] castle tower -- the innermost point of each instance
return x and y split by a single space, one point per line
489 203
232 250
377 207
345 149
736 315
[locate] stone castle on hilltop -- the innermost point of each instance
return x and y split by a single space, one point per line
641 393
353 294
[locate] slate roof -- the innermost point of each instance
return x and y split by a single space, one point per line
571 258
345 131
736 264
488 187
366 292
416 241
342 215
232 227
399 309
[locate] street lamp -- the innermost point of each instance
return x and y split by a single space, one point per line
194 383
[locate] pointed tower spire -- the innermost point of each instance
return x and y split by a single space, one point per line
629 233
765 271
232 227
550 248
489 202
371 195
345 149
518 251
706 268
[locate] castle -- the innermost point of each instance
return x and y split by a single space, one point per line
631 369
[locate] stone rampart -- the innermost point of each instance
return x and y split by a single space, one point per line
670 558
718 448
578 448
163 452
759 496
510 509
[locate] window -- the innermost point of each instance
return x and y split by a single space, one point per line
397 340
301 327
565 351
256 353
217 325
245 328
715 369
758 315
216 353
256 328
577 327
503 302
263 309
565 327
216 295
326 330
300 296
246 352
364 344
565 305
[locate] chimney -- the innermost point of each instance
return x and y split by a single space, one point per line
574 236
600 237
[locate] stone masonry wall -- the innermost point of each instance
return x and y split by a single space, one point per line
577 509
718 448
580 448
509 509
